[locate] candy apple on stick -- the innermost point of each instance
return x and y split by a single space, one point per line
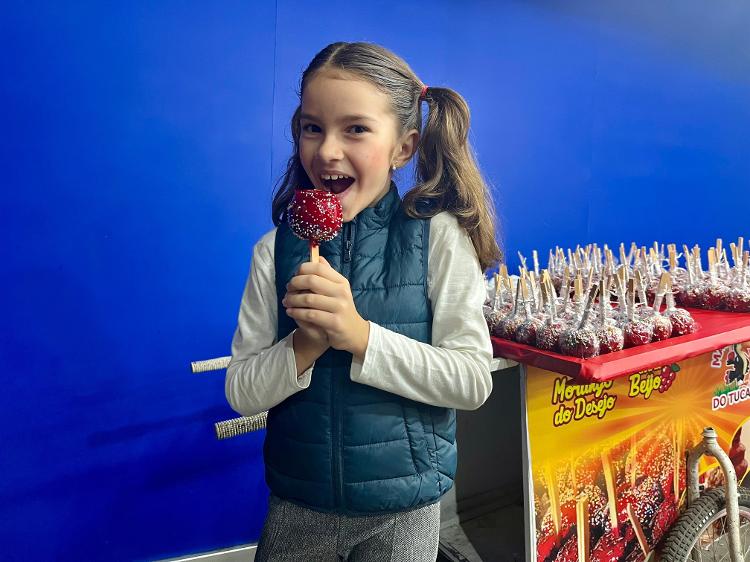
315 215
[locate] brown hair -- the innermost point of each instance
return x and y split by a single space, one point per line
447 175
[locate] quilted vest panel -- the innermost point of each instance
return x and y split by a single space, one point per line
344 447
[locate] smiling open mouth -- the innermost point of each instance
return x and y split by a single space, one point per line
337 184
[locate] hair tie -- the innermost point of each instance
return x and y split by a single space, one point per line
423 93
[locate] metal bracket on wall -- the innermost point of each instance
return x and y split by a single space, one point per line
235 426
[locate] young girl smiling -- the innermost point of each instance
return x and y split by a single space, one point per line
362 358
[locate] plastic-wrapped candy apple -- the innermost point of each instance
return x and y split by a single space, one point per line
661 325
738 298
548 334
682 321
635 329
527 329
580 340
502 299
609 334
506 327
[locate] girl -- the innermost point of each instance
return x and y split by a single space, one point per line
362 359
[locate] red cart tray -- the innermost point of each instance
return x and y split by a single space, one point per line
717 330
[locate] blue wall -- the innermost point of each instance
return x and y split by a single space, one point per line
140 145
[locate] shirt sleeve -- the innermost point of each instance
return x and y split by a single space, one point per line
454 371
262 372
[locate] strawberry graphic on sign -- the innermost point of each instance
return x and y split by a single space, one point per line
668 375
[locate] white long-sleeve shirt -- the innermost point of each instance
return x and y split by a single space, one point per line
453 372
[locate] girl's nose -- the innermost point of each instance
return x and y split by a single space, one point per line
330 149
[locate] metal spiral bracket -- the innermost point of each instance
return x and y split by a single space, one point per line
210 365
236 426
240 426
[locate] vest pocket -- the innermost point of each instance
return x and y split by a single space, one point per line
418 443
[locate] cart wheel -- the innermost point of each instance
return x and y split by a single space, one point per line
701 532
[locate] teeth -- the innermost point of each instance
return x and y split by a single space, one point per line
336 177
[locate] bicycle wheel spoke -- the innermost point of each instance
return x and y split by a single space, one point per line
713 543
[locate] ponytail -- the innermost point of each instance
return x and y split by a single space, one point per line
448 177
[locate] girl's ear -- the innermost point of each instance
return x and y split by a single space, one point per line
406 147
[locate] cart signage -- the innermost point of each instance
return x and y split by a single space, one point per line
608 458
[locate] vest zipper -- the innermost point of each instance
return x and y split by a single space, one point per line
348 243
337 385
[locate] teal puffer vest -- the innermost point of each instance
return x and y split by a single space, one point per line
344 447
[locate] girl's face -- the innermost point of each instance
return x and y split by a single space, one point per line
349 139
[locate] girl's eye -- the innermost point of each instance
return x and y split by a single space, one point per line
310 128
358 129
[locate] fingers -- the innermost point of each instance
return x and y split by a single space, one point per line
319 278
312 300
317 284
325 320
322 269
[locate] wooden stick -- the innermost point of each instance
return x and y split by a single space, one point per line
554 499
644 265
688 264
578 287
583 528
661 291
597 263
611 490
672 257
638 530
533 293
631 299
573 474
506 279
632 252
314 253
676 467
697 259
640 288
543 295
603 299
577 262
589 304
590 279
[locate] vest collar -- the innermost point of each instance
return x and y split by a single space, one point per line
380 215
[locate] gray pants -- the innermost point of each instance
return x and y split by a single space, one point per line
294 533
